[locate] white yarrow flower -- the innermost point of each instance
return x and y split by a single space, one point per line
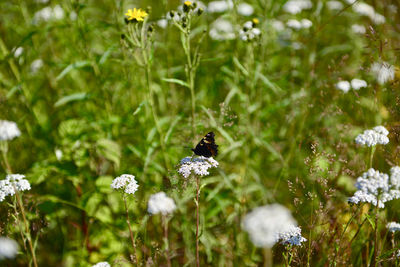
334 5
222 29
198 166
264 224
18 52
8 248
373 187
245 9
11 183
291 236
102 264
126 183
378 135
357 28
219 6
343 86
393 226
8 130
384 72
162 23
356 84
161 203
36 65
296 6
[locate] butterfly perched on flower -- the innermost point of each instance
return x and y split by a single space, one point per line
206 147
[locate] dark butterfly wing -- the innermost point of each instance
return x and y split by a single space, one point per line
206 147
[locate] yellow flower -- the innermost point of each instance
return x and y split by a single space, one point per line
256 21
136 14
187 3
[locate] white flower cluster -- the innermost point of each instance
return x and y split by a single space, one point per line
334 5
374 185
8 130
393 227
8 248
269 224
36 65
378 135
249 31
383 71
199 166
367 10
357 28
243 9
160 203
222 29
296 6
11 183
18 51
356 84
102 264
291 236
49 13
126 182
299 24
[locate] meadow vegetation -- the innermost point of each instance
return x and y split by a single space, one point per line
101 102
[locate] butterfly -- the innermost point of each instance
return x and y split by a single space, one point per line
206 147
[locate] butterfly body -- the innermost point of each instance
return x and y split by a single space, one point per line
206 147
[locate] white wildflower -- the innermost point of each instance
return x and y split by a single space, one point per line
294 24
162 23
161 203
59 154
378 135
278 25
49 13
343 86
393 226
306 23
291 236
126 182
249 31
222 29
198 166
102 264
395 176
73 16
8 248
265 223
11 183
36 65
373 187
8 130
357 28
18 51
356 84
334 5
384 72
296 6
245 9
219 6
367 10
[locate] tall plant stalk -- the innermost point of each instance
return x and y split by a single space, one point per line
131 232
20 206
197 220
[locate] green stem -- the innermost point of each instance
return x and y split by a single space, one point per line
131 232
197 219
166 242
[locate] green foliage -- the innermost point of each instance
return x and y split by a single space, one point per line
285 133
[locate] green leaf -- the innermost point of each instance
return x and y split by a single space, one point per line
76 65
177 81
106 54
139 108
70 98
110 150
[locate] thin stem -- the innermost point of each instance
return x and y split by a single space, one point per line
130 232
267 253
166 241
374 260
197 220
371 155
147 63
27 230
